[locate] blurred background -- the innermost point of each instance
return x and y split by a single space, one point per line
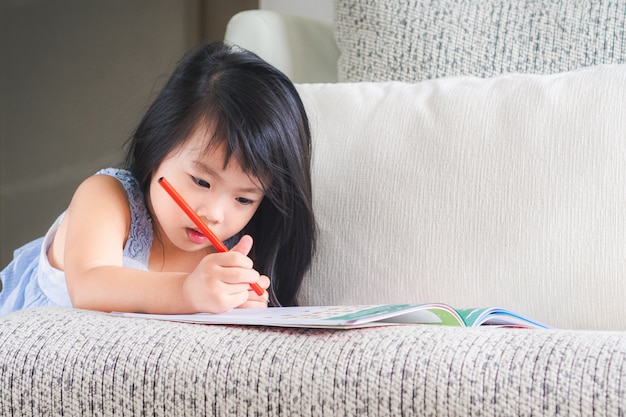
75 78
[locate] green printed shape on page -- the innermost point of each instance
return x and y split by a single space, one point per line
471 315
372 311
447 318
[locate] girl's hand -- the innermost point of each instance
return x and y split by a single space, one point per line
221 281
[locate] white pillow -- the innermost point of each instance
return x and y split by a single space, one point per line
508 191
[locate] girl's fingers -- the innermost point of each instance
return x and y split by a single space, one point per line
263 298
236 276
232 259
254 304
264 282
244 245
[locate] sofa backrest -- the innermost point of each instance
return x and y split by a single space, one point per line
415 40
507 191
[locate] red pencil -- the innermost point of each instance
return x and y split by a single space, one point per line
204 228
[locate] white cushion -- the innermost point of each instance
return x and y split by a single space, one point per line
304 49
508 191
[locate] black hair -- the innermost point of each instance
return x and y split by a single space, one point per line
256 112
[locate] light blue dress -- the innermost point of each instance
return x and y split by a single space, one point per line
30 281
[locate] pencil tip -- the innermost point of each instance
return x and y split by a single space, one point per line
159 180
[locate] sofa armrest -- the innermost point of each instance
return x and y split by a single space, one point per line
303 48
79 363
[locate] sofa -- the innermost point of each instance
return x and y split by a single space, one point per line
500 182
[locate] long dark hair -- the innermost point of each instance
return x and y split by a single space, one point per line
259 117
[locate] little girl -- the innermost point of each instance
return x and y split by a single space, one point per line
230 133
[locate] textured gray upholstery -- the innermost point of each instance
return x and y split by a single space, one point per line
414 40
80 363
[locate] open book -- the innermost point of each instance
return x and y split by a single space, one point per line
357 316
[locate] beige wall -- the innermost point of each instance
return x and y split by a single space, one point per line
75 77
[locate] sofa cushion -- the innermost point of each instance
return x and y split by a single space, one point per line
508 191
414 40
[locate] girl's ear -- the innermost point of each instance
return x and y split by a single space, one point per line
244 245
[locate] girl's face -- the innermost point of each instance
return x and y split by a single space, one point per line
225 198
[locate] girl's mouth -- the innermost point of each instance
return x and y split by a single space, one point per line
195 236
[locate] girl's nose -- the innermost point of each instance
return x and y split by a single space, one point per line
212 212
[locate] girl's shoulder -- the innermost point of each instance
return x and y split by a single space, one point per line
126 180
114 190
140 236
101 189
123 176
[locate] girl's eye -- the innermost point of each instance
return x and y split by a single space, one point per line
244 201
201 183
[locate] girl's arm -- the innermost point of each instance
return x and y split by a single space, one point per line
90 243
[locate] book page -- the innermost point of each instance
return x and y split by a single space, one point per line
353 316
321 316
474 317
